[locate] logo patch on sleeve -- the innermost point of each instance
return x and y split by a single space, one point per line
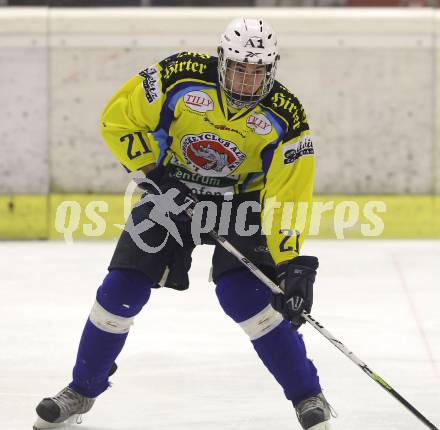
259 123
210 154
198 101
150 83
293 151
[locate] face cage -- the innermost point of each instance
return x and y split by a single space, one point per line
241 100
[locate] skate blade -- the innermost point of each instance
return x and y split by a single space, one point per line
41 424
321 426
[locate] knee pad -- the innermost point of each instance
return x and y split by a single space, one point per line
247 301
119 299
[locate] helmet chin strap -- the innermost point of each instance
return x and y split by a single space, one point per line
240 104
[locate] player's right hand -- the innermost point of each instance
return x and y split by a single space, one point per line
161 179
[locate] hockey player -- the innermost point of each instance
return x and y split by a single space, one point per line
218 127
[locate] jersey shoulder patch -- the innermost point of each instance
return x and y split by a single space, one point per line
288 107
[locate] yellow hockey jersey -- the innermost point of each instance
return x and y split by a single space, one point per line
174 113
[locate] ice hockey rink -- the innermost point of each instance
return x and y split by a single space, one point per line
187 366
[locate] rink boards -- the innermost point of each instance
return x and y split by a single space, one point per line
101 216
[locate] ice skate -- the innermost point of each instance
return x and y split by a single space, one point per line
66 406
314 413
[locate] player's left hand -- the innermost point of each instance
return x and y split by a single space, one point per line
295 278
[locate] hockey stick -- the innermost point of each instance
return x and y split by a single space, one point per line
318 326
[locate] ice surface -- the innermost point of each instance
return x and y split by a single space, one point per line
188 366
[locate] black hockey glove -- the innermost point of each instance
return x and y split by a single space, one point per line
296 279
180 196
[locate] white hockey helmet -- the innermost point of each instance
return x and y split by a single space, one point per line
247 41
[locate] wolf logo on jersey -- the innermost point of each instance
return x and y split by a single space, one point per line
207 151
212 158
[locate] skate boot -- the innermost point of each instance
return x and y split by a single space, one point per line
66 406
314 413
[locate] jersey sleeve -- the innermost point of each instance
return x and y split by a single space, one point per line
130 115
289 168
